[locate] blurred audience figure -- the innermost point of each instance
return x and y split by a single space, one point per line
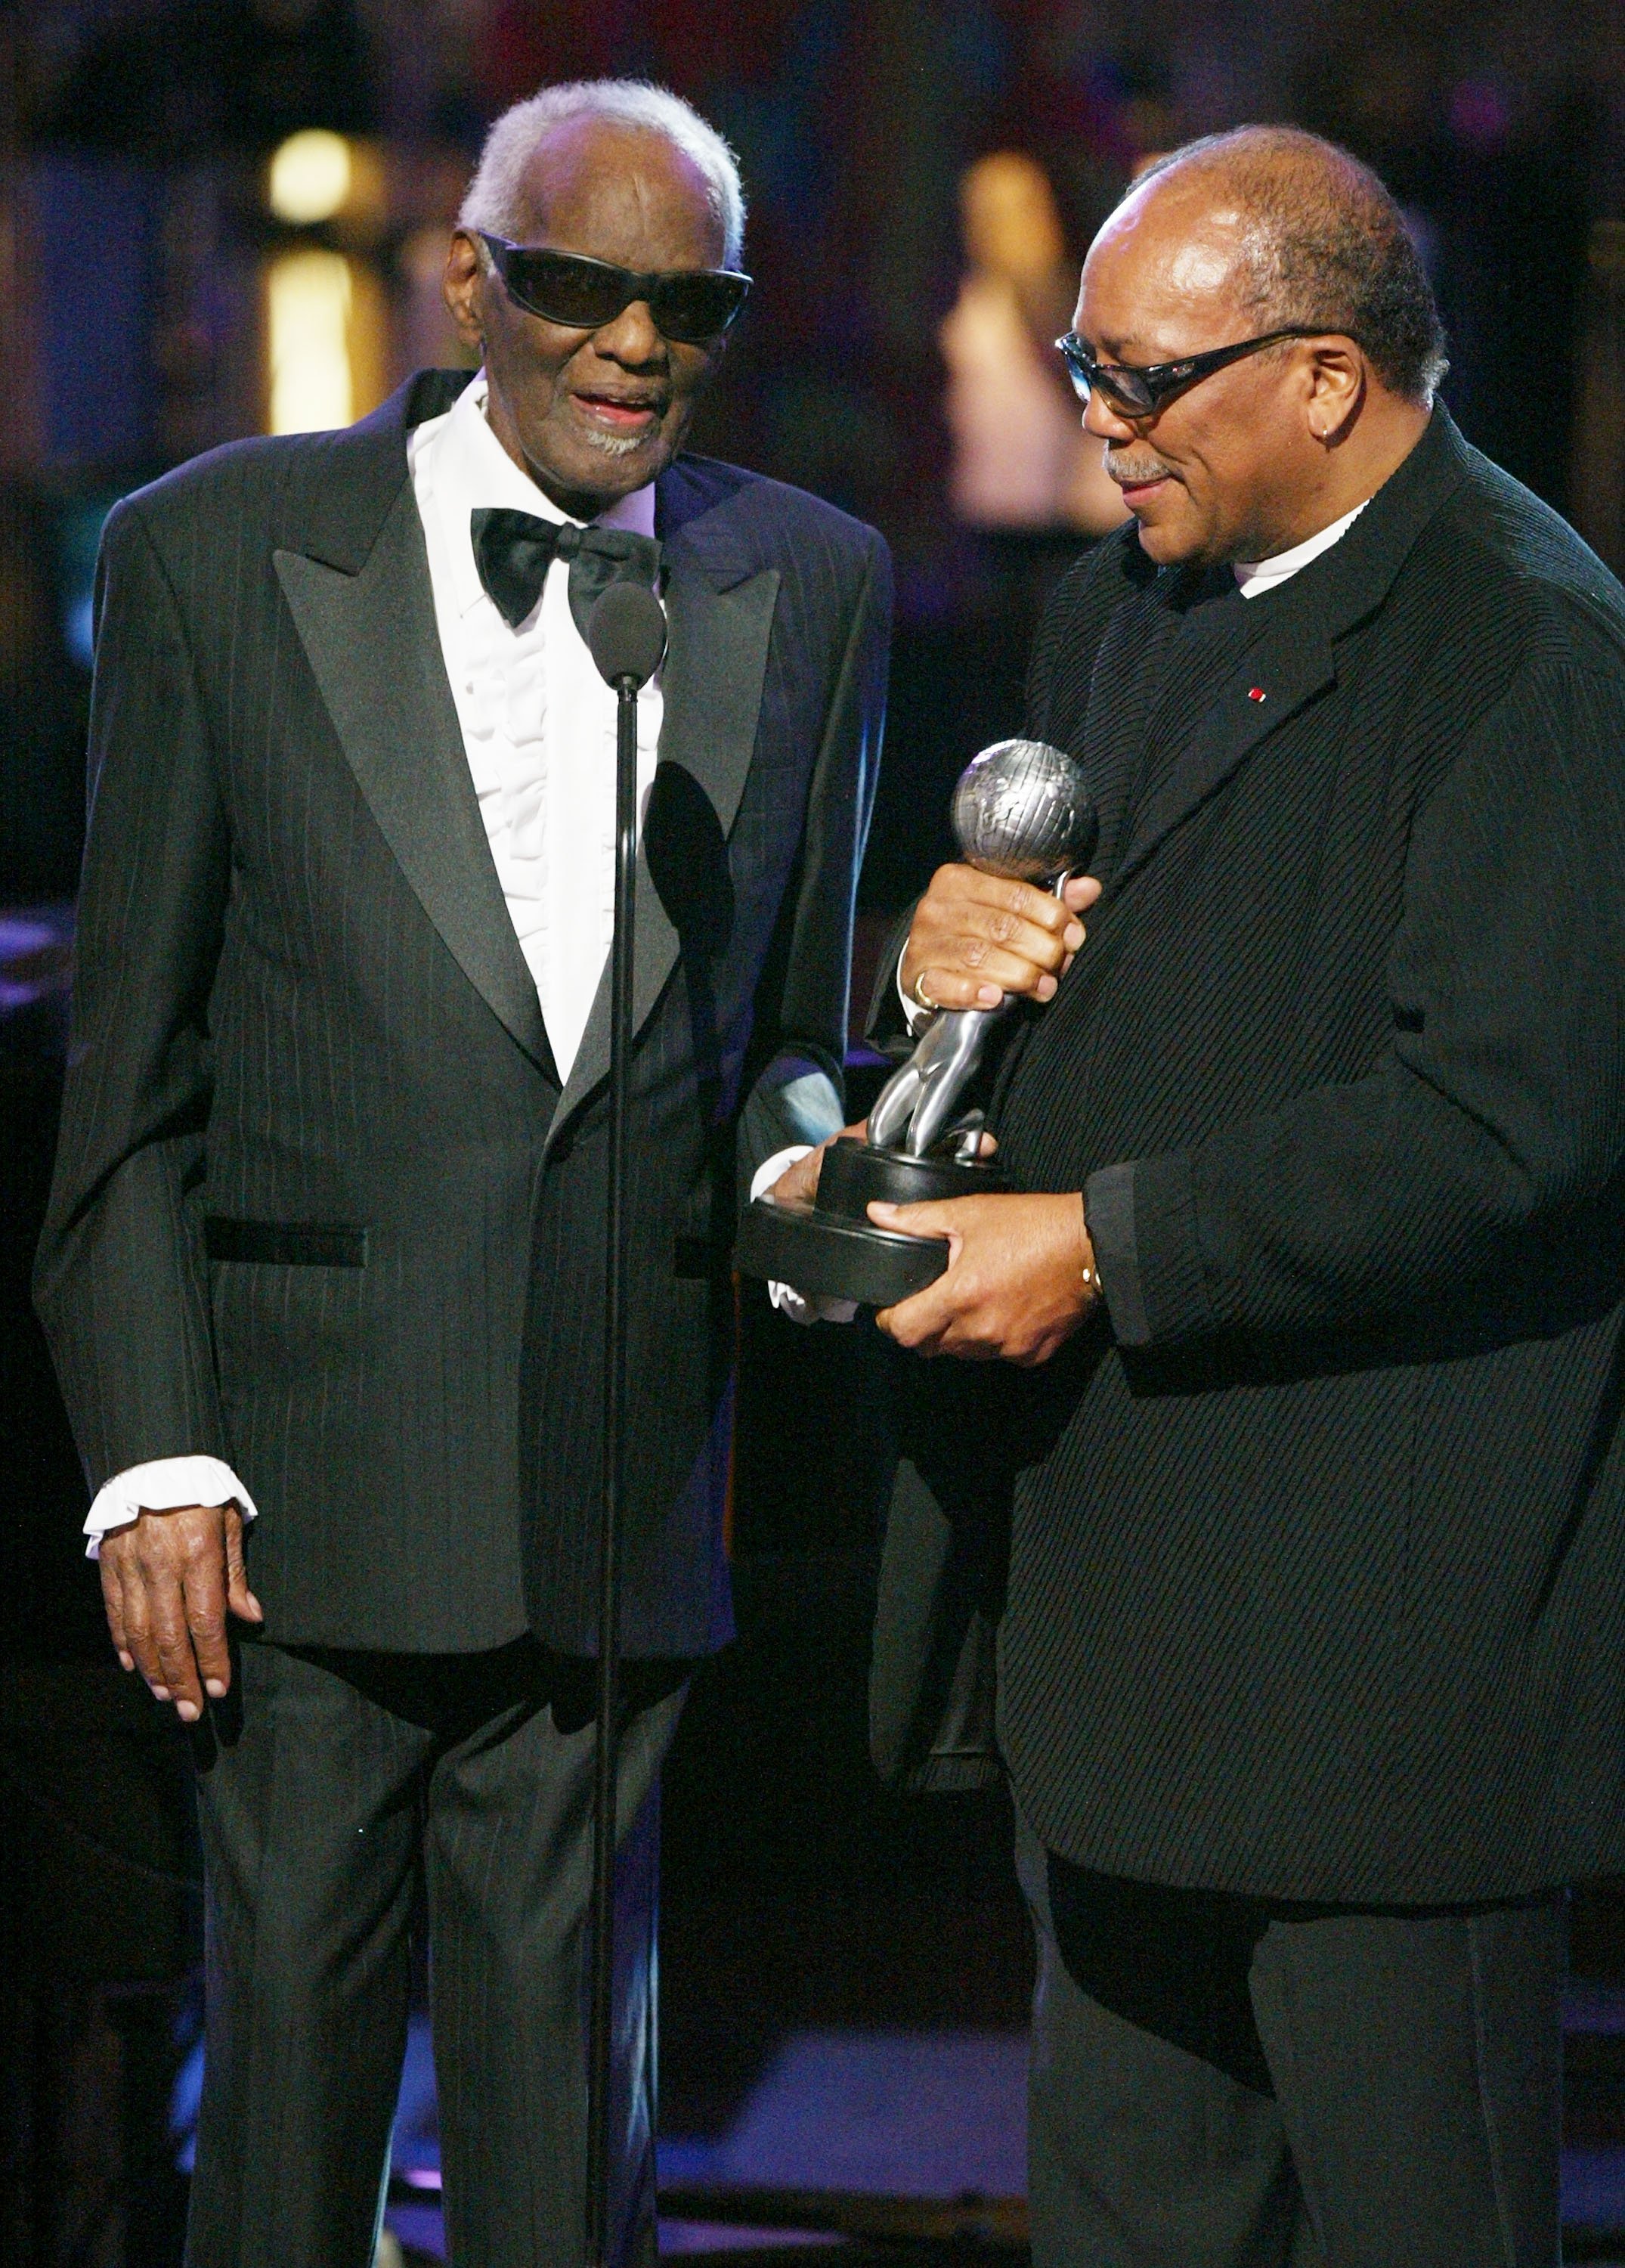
1022 463
1028 491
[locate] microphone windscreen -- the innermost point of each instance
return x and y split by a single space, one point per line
626 634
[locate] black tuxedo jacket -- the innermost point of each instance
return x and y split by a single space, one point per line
322 1206
1316 1557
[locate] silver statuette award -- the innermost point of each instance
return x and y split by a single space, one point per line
1020 810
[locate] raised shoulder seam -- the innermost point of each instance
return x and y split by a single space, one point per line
129 511
268 458
761 487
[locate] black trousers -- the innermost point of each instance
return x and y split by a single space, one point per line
1221 2082
331 1788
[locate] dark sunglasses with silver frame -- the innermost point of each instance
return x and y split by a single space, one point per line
1142 393
691 306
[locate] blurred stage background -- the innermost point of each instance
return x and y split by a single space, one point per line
224 217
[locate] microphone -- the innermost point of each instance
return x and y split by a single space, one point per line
626 636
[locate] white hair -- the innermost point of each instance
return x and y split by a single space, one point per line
496 197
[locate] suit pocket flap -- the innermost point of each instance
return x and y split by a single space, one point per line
286 1243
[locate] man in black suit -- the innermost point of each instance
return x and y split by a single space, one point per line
324 1268
1296 1491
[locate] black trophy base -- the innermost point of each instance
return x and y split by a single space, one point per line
832 1250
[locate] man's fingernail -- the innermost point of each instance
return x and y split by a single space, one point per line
1074 936
186 1710
1046 988
160 1692
214 1689
989 995
126 1661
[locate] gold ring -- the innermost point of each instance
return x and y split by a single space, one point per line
917 989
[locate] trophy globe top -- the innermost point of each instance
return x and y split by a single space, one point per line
1021 810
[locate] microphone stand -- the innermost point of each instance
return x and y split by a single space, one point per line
623 609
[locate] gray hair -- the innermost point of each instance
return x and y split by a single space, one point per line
494 200
1324 243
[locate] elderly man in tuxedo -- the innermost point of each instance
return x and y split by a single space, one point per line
324 1268
1291 1480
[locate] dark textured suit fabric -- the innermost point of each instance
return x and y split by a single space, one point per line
362 1785
1316 1556
301 1005
1219 2082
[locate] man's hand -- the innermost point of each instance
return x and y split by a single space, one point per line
799 1182
975 939
1021 1278
167 1581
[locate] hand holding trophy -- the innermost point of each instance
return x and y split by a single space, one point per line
1021 810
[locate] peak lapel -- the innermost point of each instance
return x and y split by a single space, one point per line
371 638
719 619
719 613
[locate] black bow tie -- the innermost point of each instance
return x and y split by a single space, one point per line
513 551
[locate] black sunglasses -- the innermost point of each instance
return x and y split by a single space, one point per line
690 305
1142 393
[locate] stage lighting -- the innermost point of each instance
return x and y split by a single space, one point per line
310 177
312 384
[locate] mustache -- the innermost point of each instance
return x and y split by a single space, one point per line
1127 472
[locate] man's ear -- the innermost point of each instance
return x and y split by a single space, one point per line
463 287
1336 388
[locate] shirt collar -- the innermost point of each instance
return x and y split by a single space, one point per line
471 471
1254 576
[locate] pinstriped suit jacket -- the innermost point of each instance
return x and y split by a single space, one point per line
1316 1575
300 1005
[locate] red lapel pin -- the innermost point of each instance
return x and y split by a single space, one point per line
1256 693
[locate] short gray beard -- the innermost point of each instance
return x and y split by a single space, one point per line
614 445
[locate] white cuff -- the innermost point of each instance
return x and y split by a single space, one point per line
165 1485
783 1296
916 1013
